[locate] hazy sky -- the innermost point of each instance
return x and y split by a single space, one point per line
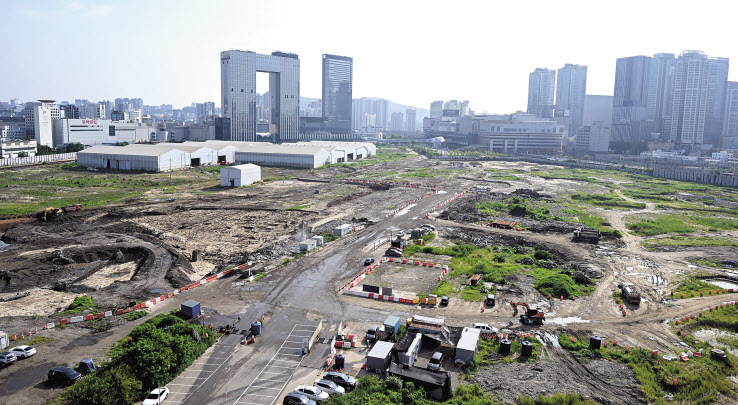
410 52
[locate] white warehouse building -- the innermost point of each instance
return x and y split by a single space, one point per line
284 155
156 158
239 176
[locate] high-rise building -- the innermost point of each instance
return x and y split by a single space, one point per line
436 109
337 93
597 108
571 89
463 108
730 124
630 99
396 122
699 95
541 92
238 93
363 106
204 110
70 111
660 90
593 138
92 111
410 120
39 116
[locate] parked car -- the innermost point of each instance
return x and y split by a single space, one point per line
23 352
92 169
490 300
348 383
297 399
157 396
7 358
401 233
444 300
372 333
329 386
169 199
485 328
314 393
435 361
86 366
368 261
63 375
393 253
429 226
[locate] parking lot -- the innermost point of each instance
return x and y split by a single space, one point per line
201 370
266 388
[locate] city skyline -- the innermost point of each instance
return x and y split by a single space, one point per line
183 71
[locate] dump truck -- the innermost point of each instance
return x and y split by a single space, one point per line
630 294
532 316
588 235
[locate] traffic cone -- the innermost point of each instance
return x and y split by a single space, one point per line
23 336
36 331
262 318
253 339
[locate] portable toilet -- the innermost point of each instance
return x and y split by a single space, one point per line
191 309
4 341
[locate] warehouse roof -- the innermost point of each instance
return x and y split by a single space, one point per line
247 166
287 149
131 150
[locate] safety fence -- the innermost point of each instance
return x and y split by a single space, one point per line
455 196
31 160
346 288
407 204
142 306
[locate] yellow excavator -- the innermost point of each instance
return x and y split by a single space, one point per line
50 212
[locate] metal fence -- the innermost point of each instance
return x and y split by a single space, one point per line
32 160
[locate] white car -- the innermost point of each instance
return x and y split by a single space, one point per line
156 396
23 352
314 393
485 328
329 386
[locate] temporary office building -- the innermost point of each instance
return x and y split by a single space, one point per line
341 230
239 176
379 357
307 245
318 240
467 347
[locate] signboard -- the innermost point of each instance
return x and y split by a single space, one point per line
370 288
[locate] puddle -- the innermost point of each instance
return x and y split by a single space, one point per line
157 291
405 210
722 284
3 244
711 335
86 340
566 321
441 192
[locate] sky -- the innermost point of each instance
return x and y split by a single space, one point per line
410 52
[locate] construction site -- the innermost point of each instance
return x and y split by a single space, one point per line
554 261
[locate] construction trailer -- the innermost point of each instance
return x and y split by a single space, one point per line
408 355
380 356
424 324
343 229
392 325
468 345
239 176
308 245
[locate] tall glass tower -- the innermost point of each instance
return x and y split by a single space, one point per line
337 90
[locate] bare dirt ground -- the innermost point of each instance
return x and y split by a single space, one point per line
122 253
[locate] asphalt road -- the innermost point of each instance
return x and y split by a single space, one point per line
304 293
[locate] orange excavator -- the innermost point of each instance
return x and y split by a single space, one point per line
532 316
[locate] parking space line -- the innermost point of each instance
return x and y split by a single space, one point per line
267 388
272 372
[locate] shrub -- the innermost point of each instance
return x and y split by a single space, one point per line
542 255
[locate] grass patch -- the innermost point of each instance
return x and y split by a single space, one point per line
606 201
692 286
426 172
495 264
664 224
329 237
691 241
699 381
81 304
133 315
383 155
489 346
36 341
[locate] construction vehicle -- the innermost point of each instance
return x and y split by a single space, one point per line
72 208
585 234
630 294
532 316
50 212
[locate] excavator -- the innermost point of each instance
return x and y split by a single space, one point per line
532 316
50 211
